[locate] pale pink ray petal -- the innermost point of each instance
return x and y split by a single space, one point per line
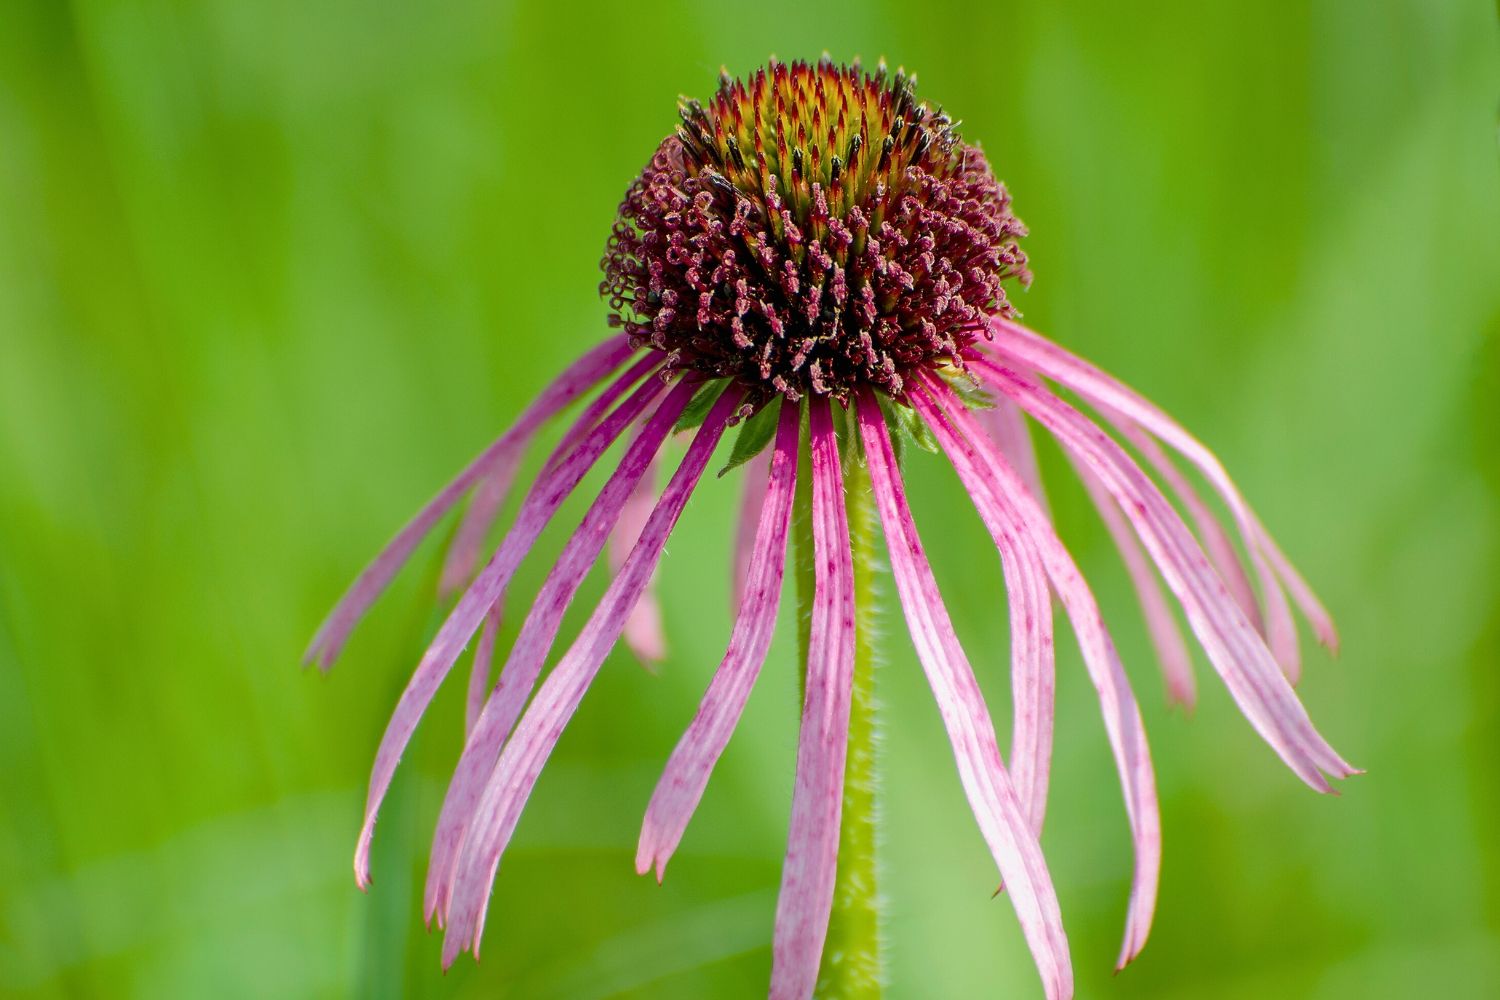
751 501
645 636
463 552
1001 498
527 655
1041 355
1221 551
1032 679
478 519
479 677
515 773
1307 601
686 775
1277 625
1033 670
1001 817
483 510
599 407
1234 646
1032 660
491 493
1006 423
812 849
1171 649
1033 665
643 630
1281 631
578 379
536 511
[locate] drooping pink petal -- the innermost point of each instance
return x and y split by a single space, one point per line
1001 817
644 635
1032 660
686 775
598 407
458 564
1277 625
1006 424
1307 601
812 849
1001 499
1033 664
479 677
751 502
516 771
480 516
578 379
463 551
536 511
1032 674
1039 354
527 655
1171 650
643 632
483 510
1232 643
1217 544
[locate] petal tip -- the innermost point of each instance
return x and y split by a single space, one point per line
316 655
452 948
1318 783
1185 699
1328 636
362 868
1130 952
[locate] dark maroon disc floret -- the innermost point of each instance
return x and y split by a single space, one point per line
813 230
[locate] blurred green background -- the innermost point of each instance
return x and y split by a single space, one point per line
271 272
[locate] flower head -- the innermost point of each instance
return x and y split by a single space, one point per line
817 256
813 230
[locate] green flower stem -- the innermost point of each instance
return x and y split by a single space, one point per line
853 961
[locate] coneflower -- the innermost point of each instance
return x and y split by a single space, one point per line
817 259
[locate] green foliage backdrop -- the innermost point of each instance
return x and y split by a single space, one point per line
270 272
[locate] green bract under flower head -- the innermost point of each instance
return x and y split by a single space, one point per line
812 229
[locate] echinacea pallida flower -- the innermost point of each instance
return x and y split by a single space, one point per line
816 259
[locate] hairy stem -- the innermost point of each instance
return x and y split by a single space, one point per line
853 960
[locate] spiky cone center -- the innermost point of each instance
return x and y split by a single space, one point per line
812 230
